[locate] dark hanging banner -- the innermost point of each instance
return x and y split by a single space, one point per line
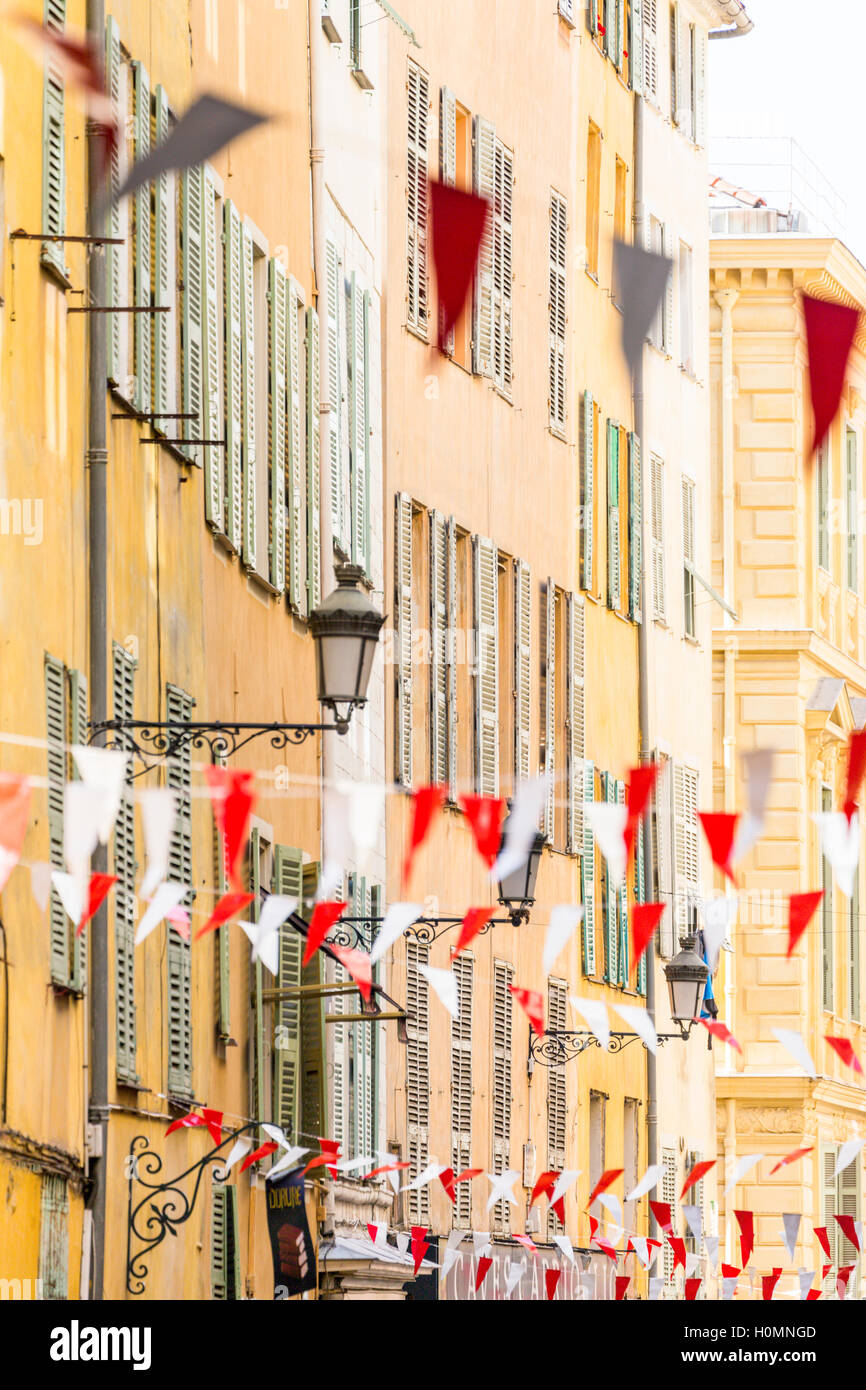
291 1243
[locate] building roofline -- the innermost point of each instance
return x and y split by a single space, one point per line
829 268
731 14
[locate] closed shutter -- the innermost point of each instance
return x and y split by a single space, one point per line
249 441
649 46
657 511
687 858
587 470
123 675
178 708
218 461
403 672
503 268
558 309
668 302
696 1199
566 10
225 1242
55 724
313 1111
194 329
448 160
117 262
557 1110
522 671
259 1081
853 530
339 1040
576 720
548 708
848 1204
611 923
418 100
359 432
620 34
484 181
503 976
165 231
700 39
622 957
854 950
288 880
417 1078
677 102
278 422
234 375
362 1090
54 1237
451 651
663 854
53 146
636 46
142 232
669 1195
297 464
613 547
640 897
688 496
487 667
335 392
314 519
635 531
461 1087
438 640
592 7
79 730
587 875
222 934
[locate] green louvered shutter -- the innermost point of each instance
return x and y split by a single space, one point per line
164 225
548 708
53 148
587 455
362 1090
587 875
194 326
611 926
116 256
314 519
640 897
234 375
288 880
358 424
123 707
55 723
142 203
297 464
613 547
258 1096
223 933
848 1204
224 1243
576 720
278 422
215 459
54 1237
622 952
178 708
249 442
79 731
635 531
335 396
313 1113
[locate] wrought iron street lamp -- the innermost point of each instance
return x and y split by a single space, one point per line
686 975
517 889
345 629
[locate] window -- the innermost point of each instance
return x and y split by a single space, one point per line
165 276
841 1196
494 180
178 708
363 1091
620 219
587 503
461 1088
828 984
575 721
634 528
416 293
854 950
117 257
689 557
669 1195
507 654
124 891
486 593
657 536
557 1110
687 361
644 49
587 876
442 570
630 1152
403 640
822 508
614 558
656 236
503 976
687 847
597 1165
224 1242
547 702
688 76
54 1237
455 170
558 313
610 898
522 663
66 723
314 520
418 1078
142 246
53 147
696 1199
286 1080
662 813
593 195
853 520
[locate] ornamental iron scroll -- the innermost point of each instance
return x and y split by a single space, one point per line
155 742
560 1045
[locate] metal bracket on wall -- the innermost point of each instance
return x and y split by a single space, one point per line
158 741
560 1045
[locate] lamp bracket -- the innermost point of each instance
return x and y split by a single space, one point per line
560 1045
155 742
352 932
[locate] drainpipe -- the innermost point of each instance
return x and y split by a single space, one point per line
741 24
96 467
726 299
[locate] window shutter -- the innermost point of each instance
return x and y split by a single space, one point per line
854 950
669 1195
313 1112
403 674
118 214
195 324
143 326
55 723
314 519
124 891
688 497
557 1110
359 427
853 529
417 1077
361 1090
622 945
676 66
700 86
259 1106
220 1218
611 925
54 1237
620 34
234 374
249 442
566 10
636 47
662 843
587 875
522 671
658 536
558 310
451 651
447 137
438 640
78 732
418 93
297 470
178 708
335 392
640 897
288 880
548 605
53 146
592 16
484 180
278 421
218 461
828 1210
461 1087
668 303
576 721
502 268
222 937
649 44
687 864
164 240
487 666
635 531
503 976
613 551
586 486
848 1204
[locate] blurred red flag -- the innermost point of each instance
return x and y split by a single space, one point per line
457 222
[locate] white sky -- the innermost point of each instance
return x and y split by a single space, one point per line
800 73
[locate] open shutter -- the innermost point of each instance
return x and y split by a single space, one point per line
700 86
335 392
557 1111
219 1281
587 875
79 733
669 1195
613 547
447 137
484 179
566 11
249 442
576 721
636 46
417 1078
586 490
54 1237
212 407
358 426
640 897
314 519
686 844
503 235
313 1113
123 681
635 531
548 603
522 671
619 42
487 670
178 708
117 264
649 43
557 310
222 942
403 672
418 100
622 958
259 1081
297 468
677 101
503 1018
163 265
438 562
234 375
278 422
53 147
142 204
848 1204
288 880
611 924
363 1090
55 726
461 1087
451 651
193 327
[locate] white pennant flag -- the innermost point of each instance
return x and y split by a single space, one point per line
758 765
646 1184
806 1277
82 811
847 1153
40 883
564 921
792 1041
565 1246
480 1243
402 1238
719 915
430 1172
566 1179
104 771
841 845
264 934
288 1160
711 1245
655 1286
516 1271
728 1286
452 1250
595 1014
398 917
365 805
791 1223
743 1166
337 843
641 1249
166 897
638 1019
613 1205
695 1221
444 985
240 1148
608 821
521 827
501 1185
158 815
71 894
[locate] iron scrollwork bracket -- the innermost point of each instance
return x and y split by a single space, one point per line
560 1045
155 742
361 932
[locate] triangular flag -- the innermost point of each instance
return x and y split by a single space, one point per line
637 1018
323 918
513 1276
638 790
720 827
608 820
848 1229
656 1284
485 815
457 223
720 1030
564 1181
204 129
642 277
711 1245
398 918
104 771
475 921
607 1179
695 1220
678 1246
621 1282
791 1158
842 1277
227 906
531 1002
595 1013
792 1041
97 891
426 802
644 918
768 1284
15 795
158 807
646 1184
520 830
484 1264
480 1242
528 1243
830 330
824 1242
743 1166
613 1206
358 965
265 933
855 770
444 986
846 1155
746 1223
565 1246
662 1213
791 1224
211 1120
40 883
691 1289
843 1048
805 1276
166 897
719 915
239 1149
801 910
758 767
564 920
232 795
840 844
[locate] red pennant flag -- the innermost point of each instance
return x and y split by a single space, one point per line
602 1244
746 1223
328 1157
730 1272
845 1051
426 801
467 1175
825 1269
211 1120
485 815
696 1174
692 1286
323 918
358 965
269 1148
233 799
849 1230
531 1002
678 1246
638 791
830 330
644 918
446 1177
824 1240
662 1213
622 1283
372 1231
720 1030
720 828
812 1295
457 222
551 1279
475 921
96 895
484 1264
226 908
768 1284
856 769
528 1244
842 1277
607 1179
419 1250
15 794
385 1168
545 1185
801 910
791 1158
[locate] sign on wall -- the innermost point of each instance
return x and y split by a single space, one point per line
289 1231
